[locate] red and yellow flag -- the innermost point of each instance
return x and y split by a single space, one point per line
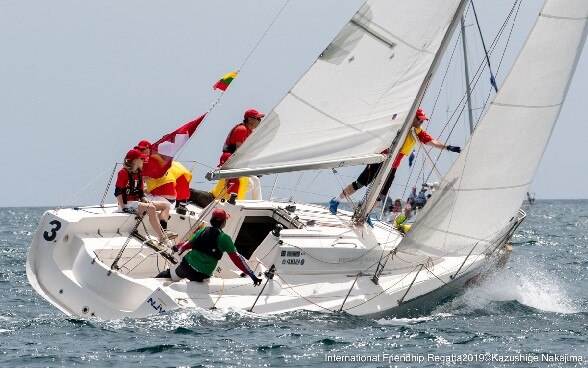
224 82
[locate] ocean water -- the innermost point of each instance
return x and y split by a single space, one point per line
534 312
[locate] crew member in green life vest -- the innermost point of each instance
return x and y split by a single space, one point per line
402 217
205 249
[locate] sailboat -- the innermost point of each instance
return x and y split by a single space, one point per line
357 99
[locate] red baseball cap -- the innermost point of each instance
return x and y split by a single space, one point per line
251 113
134 154
219 214
143 145
420 114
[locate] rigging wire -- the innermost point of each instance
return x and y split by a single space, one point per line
461 104
492 79
71 199
504 50
215 103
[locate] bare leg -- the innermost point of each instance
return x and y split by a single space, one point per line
164 207
153 219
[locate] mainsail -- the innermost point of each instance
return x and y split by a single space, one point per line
480 195
350 104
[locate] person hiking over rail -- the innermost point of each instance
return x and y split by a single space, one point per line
131 198
371 170
205 249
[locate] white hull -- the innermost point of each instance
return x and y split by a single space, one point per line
317 266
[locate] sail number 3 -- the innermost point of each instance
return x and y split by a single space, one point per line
52 233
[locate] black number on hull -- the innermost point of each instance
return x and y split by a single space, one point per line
52 234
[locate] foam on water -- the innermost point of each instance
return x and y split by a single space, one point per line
411 321
525 283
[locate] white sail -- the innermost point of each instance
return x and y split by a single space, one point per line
355 97
480 195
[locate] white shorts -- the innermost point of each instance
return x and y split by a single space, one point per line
134 205
152 198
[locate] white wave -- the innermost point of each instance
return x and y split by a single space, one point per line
526 283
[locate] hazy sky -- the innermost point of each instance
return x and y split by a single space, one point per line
81 82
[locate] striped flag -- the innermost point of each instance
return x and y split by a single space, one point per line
224 82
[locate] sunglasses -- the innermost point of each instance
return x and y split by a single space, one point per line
256 118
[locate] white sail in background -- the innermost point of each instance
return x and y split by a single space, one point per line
480 195
352 101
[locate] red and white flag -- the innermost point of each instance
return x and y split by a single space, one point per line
164 150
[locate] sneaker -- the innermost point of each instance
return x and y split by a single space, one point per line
166 243
369 221
170 234
333 204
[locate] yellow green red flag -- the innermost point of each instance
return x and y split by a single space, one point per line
224 82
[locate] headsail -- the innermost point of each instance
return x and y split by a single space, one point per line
482 192
352 101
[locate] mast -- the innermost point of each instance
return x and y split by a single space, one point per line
478 200
352 101
378 183
467 75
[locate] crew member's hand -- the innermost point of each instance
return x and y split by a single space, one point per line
454 149
256 280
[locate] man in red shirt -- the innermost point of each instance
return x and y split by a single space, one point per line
371 170
235 139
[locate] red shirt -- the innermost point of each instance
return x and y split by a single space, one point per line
122 182
182 188
238 135
409 143
424 137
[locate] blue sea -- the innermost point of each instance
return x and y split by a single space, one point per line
532 313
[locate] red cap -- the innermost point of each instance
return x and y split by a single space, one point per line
134 154
143 145
420 114
251 113
219 214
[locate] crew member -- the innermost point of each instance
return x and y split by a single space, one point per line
205 249
371 170
131 198
238 135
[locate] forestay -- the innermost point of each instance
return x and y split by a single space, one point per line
480 195
351 102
